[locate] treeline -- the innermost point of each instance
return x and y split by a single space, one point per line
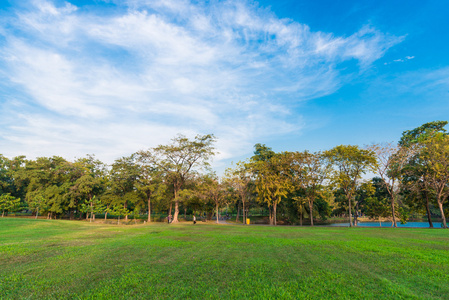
412 177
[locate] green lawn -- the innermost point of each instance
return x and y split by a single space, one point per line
73 259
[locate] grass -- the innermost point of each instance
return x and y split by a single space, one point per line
41 259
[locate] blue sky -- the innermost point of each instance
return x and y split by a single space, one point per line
115 77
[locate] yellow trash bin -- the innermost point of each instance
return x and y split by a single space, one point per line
247 221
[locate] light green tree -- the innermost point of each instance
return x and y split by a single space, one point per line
8 203
92 206
37 202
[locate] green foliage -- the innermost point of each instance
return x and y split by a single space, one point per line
378 203
262 153
422 132
8 203
321 205
181 160
350 163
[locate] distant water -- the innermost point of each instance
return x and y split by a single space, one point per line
388 224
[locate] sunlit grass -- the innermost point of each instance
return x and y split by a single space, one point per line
72 259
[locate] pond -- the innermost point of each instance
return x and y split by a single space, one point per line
388 224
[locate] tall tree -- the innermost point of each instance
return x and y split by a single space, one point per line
416 178
436 158
350 164
377 202
240 179
410 137
391 161
212 189
180 159
123 179
8 203
48 178
151 181
309 171
272 181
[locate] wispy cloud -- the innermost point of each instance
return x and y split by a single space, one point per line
400 60
115 81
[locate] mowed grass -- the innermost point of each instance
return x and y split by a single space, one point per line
42 259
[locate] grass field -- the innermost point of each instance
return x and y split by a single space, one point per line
78 260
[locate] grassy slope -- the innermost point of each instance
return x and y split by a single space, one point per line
69 259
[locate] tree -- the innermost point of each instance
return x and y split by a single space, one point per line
86 189
240 179
5 178
119 210
150 181
211 188
272 180
37 202
391 160
350 164
123 183
410 137
93 206
8 203
436 157
416 178
310 170
377 202
180 159
49 178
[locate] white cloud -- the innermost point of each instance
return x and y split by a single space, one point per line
116 82
400 60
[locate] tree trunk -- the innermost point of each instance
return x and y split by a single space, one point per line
91 210
238 212
216 209
270 216
106 213
356 214
243 212
274 212
311 212
37 212
149 209
350 213
185 213
393 212
175 216
300 217
71 215
126 216
429 218
440 205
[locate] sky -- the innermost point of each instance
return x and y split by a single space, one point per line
114 77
